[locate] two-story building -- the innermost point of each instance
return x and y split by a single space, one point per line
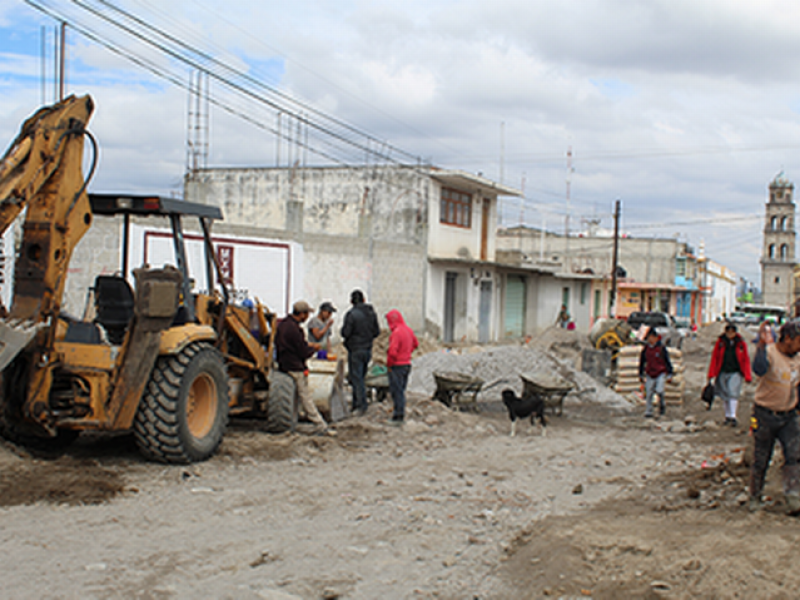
416 238
655 274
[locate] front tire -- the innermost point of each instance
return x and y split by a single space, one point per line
280 404
184 410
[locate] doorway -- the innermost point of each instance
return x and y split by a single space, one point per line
515 306
449 306
485 312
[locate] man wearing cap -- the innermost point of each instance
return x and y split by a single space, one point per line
359 330
729 364
320 327
777 365
293 351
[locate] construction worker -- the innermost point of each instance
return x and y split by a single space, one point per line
293 351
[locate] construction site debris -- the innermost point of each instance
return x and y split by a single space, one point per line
502 367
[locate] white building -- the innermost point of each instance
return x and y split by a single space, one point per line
419 239
718 288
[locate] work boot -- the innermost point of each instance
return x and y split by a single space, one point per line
792 504
755 504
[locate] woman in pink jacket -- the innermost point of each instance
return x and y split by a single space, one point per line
402 342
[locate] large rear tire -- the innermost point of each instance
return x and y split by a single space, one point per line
280 403
184 410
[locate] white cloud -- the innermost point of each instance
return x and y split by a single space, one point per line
683 109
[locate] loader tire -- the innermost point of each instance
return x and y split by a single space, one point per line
183 412
280 403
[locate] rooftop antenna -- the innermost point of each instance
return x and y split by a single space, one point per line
570 171
502 151
197 122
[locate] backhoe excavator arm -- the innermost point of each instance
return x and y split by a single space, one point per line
42 171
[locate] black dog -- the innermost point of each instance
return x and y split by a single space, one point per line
521 408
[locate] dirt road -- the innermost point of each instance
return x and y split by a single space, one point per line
605 506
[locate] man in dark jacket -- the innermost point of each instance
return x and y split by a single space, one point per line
654 369
293 351
359 330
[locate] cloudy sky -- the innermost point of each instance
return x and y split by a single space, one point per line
683 109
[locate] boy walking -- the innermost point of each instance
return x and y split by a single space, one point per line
654 369
402 342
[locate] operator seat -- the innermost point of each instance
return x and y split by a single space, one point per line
113 301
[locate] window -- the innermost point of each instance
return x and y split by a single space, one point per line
772 250
773 223
680 267
584 287
784 252
565 296
455 208
783 223
777 280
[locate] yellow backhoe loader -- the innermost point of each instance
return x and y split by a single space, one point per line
157 359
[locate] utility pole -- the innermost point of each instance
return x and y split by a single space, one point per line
62 61
612 301
570 171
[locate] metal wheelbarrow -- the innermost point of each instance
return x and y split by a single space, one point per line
454 389
377 382
551 388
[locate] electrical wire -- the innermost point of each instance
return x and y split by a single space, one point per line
174 79
211 61
159 71
693 222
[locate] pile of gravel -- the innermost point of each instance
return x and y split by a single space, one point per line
501 367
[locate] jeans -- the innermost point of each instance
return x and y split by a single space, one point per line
767 427
654 385
357 363
398 380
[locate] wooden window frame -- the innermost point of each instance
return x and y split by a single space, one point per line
455 208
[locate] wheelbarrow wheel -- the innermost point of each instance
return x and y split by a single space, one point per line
444 397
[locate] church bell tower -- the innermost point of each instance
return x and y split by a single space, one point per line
777 257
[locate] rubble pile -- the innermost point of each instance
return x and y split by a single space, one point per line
500 367
381 345
563 343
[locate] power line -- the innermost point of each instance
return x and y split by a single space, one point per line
231 70
212 67
693 222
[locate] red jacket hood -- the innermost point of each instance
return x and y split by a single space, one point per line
395 319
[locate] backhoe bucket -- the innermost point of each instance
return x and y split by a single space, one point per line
14 336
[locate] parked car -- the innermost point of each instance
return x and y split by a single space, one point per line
664 324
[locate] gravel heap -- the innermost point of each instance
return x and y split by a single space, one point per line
500 368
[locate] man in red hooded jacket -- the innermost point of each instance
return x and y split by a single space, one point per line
402 342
